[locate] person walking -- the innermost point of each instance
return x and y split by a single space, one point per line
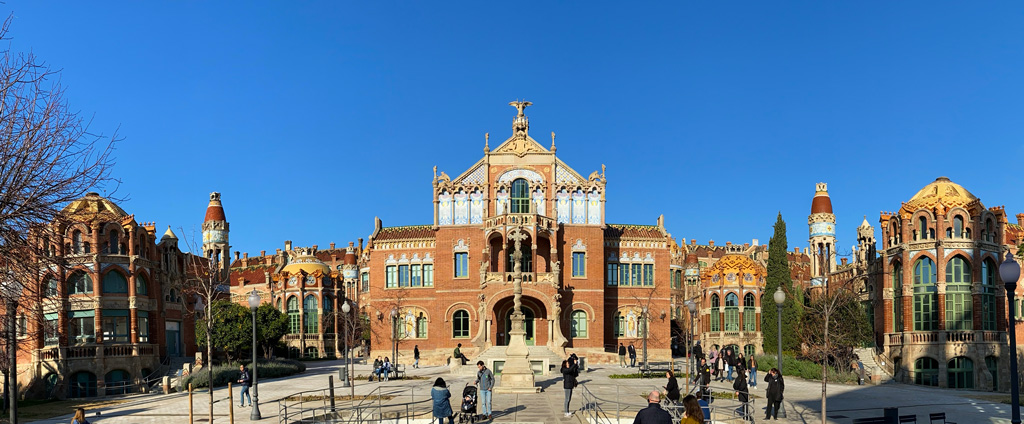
713 362
569 372
416 356
485 383
245 380
697 352
653 414
622 356
773 395
752 364
632 355
730 363
442 405
703 379
692 413
742 395
79 417
672 387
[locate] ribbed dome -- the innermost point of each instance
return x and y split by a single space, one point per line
821 202
215 211
941 191
93 206
732 269
308 264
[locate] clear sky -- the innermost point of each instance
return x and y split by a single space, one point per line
313 117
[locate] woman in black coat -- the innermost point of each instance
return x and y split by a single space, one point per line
672 388
569 372
773 395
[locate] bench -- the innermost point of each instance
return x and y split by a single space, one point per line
398 371
939 417
871 420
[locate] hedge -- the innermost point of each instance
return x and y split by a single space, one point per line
224 374
808 370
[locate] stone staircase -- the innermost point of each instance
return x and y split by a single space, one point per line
498 353
875 374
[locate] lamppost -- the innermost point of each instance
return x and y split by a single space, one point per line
345 309
692 307
643 320
254 303
780 298
1009 271
394 337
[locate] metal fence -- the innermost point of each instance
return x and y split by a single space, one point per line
624 407
383 404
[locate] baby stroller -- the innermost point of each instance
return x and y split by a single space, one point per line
467 414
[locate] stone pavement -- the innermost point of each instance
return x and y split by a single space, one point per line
845 402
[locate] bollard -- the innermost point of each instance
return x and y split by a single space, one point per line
343 375
190 419
231 404
166 383
330 383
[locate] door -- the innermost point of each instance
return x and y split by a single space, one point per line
173 338
528 325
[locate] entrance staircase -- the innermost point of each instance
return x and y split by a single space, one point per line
874 373
498 353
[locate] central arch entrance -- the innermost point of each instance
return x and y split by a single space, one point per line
535 323
528 325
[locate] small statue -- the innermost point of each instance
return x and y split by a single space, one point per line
483 274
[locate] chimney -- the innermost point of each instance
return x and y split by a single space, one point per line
236 254
746 245
332 245
287 245
263 253
1020 219
796 250
711 243
315 248
728 243
360 243
755 242
693 241
843 261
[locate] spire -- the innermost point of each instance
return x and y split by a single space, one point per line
214 211
865 223
552 142
169 235
487 139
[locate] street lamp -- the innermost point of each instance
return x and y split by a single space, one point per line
780 298
394 337
346 308
1009 271
692 307
254 303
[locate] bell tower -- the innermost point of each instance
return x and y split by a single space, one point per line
822 225
215 235
865 242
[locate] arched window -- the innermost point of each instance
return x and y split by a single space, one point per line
578 324
715 319
520 196
294 319
328 316
749 314
749 351
619 325
112 244
960 373
279 305
51 287
988 295
83 384
958 226
732 312
990 233
922 228
897 296
118 382
421 326
926 313
460 324
310 315
114 282
76 244
926 372
141 285
959 306
992 363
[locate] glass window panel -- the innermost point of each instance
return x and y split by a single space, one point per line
428 275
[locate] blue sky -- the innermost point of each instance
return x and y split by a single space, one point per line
313 117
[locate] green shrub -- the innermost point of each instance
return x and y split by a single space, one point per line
224 374
802 368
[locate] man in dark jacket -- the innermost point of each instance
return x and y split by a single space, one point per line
730 363
632 355
698 352
703 379
622 356
743 396
653 414
243 378
773 396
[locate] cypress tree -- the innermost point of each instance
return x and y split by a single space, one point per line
779 276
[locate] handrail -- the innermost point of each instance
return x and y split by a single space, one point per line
315 407
594 412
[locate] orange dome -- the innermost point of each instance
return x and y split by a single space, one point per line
943 192
215 212
821 202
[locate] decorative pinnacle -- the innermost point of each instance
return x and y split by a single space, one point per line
487 138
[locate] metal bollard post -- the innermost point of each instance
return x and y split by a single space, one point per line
330 383
190 419
231 404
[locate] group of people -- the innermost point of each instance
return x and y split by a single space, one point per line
381 368
723 363
623 351
440 395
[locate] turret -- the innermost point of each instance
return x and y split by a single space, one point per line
215 235
822 226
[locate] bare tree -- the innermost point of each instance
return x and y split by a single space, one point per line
48 158
205 281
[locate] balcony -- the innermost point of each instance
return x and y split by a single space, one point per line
520 219
90 352
943 337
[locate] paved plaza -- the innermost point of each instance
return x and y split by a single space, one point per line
802 399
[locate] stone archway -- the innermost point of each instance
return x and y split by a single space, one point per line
537 323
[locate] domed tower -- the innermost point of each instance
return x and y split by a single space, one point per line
215 234
865 242
822 225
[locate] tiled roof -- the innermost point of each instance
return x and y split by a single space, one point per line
251 274
410 232
633 231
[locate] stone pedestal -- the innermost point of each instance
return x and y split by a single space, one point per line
517 375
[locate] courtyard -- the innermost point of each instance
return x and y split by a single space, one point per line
802 403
